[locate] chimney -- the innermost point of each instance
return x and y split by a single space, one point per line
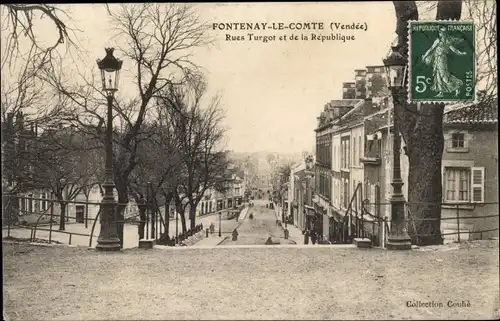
348 90
360 81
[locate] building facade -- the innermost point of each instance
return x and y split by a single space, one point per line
470 171
213 200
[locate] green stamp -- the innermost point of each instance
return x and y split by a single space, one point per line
442 64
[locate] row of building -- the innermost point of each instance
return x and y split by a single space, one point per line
32 201
353 164
86 205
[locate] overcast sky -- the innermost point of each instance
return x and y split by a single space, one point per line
272 91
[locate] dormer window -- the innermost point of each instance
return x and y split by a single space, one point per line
458 140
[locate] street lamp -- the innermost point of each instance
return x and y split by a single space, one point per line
220 224
62 183
395 65
108 237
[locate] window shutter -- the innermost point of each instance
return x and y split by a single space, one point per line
477 184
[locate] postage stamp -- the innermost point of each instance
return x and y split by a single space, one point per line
442 64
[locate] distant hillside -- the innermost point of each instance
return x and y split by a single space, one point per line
260 165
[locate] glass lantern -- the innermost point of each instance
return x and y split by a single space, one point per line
395 65
110 71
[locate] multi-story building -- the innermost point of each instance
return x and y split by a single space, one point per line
347 171
469 167
360 83
301 192
376 82
333 162
349 90
214 200
319 222
470 171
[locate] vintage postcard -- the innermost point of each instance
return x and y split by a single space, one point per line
243 161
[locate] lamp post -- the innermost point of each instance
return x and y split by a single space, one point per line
220 224
108 237
62 216
398 238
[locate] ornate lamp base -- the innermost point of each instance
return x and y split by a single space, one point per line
398 242
111 244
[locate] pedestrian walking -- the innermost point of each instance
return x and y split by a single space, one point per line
313 237
287 234
306 236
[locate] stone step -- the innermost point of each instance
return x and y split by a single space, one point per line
146 243
362 242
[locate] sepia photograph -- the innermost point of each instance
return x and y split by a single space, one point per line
250 161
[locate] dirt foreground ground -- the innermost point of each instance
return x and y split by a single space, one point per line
68 283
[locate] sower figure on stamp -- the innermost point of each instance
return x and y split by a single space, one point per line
437 58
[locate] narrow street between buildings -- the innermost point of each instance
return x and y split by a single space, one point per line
256 230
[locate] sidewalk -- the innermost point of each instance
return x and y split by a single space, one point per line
294 233
210 241
243 213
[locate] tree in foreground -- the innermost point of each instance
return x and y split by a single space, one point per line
198 131
422 129
158 39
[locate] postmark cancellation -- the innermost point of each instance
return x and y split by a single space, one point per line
442 61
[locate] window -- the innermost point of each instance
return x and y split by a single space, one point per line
354 163
458 140
464 184
342 154
30 204
477 184
44 202
457 184
360 148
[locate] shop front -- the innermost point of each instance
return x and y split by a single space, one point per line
310 215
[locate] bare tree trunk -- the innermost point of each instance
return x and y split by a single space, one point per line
423 135
168 199
425 149
192 215
62 215
182 214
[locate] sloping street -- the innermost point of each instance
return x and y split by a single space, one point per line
256 230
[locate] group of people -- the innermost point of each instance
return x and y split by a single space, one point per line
184 236
310 234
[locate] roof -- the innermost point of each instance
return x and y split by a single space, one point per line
375 122
354 116
300 174
299 167
473 114
344 104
